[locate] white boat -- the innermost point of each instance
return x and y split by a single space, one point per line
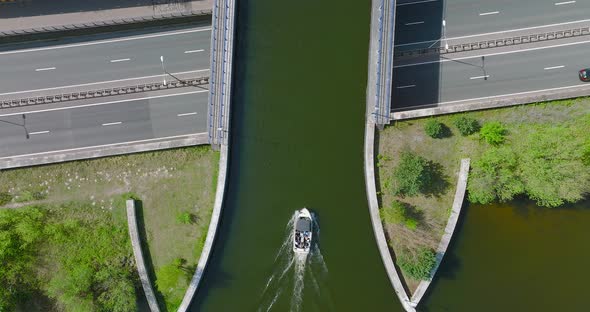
302 232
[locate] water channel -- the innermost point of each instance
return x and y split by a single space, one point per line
298 129
297 124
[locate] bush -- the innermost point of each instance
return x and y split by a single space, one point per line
417 265
397 213
467 125
493 133
412 175
5 198
434 129
185 217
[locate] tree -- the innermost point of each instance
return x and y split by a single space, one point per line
495 176
493 133
466 125
398 213
412 175
434 129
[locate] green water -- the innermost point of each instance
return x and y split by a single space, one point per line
516 257
297 140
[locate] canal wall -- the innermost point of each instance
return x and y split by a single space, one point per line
374 213
138 255
381 60
220 82
211 233
449 230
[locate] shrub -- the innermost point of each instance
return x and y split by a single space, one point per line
185 217
412 175
467 125
493 133
417 265
434 129
397 213
5 198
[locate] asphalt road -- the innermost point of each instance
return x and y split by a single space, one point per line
104 121
95 64
447 81
421 20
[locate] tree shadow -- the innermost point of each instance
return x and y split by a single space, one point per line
439 183
147 257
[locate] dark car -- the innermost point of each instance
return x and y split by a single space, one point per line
585 74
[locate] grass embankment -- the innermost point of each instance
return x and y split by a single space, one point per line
541 151
176 189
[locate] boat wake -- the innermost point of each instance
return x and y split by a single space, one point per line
291 272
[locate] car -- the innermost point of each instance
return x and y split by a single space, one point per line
585 74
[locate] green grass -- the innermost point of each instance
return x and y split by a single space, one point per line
168 183
519 122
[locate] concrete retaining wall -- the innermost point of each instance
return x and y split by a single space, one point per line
138 254
449 229
102 151
211 233
496 102
376 220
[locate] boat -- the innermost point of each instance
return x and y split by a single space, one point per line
302 232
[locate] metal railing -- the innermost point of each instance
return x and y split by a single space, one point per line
72 96
495 43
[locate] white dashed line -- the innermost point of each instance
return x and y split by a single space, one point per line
489 13
404 87
414 23
565 2
44 69
39 132
186 114
416 2
193 51
120 60
112 123
554 67
480 77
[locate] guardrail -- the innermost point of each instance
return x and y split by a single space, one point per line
72 96
495 43
113 22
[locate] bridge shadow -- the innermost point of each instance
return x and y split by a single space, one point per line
418 26
26 8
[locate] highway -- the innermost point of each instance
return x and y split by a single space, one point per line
104 121
90 64
419 22
458 79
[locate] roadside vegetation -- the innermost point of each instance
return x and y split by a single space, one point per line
541 151
77 219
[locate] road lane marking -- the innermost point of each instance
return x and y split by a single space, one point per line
112 123
415 2
186 114
103 103
39 132
106 41
408 86
554 67
193 51
565 2
120 60
414 23
106 145
480 77
494 32
44 69
489 13
494 54
101 82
